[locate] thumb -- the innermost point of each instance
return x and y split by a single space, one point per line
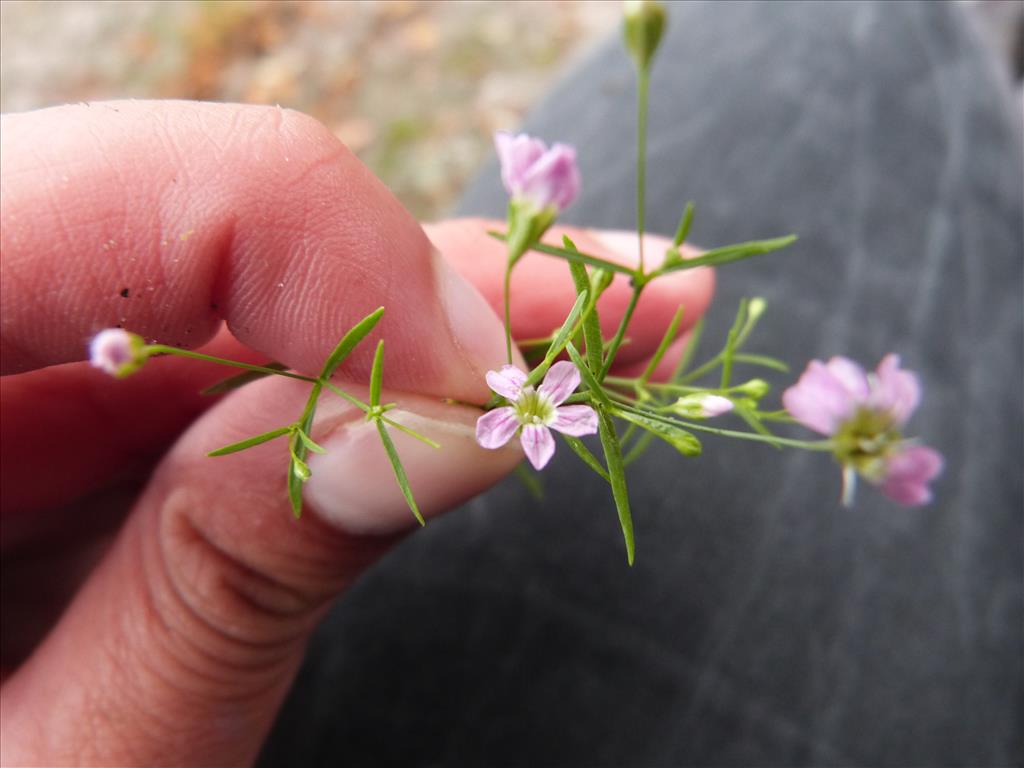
182 643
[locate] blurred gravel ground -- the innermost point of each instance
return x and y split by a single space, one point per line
415 87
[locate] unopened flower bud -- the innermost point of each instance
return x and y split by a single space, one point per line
755 388
644 22
702 405
117 352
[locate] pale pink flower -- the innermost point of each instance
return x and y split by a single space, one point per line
863 413
116 351
535 411
532 173
702 405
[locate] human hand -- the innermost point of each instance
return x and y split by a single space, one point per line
251 233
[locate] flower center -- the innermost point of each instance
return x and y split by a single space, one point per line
534 408
865 440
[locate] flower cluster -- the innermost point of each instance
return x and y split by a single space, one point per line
863 413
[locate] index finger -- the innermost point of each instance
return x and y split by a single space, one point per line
164 217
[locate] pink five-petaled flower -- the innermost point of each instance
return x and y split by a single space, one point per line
863 413
116 351
546 179
536 411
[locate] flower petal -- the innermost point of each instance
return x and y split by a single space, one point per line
508 382
908 474
896 391
575 420
517 155
495 428
561 381
539 444
819 400
852 377
554 179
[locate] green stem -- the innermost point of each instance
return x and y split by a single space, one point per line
642 85
620 333
164 349
508 310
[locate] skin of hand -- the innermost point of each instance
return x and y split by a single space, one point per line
157 602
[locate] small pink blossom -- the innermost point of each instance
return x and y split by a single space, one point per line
702 405
116 351
532 173
863 413
535 412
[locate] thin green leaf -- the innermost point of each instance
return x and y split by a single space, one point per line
684 442
565 332
299 451
347 397
531 479
250 442
617 478
400 476
581 450
730 253
577 256
410 432
349 341
377 374
588 378
309 443
762 360
684 226
666 340
591 322
755 423
639 447
691 349
234 382
730 343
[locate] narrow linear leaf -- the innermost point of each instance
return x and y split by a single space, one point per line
565 332
296 475
639 448
531 480
377 374
400 476
581 450
730 343
588 378
731 253
762 360
666 340
617 478
410 432
234 382
591 322
575 255
683 230
294 489
755 424
349 341
347 397
308 441
691 349
683 441
241 445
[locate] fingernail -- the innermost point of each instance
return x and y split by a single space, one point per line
626 244
476 330
353 484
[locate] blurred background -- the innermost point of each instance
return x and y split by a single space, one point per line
414 87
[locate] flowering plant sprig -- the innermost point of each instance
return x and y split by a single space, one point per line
570 388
